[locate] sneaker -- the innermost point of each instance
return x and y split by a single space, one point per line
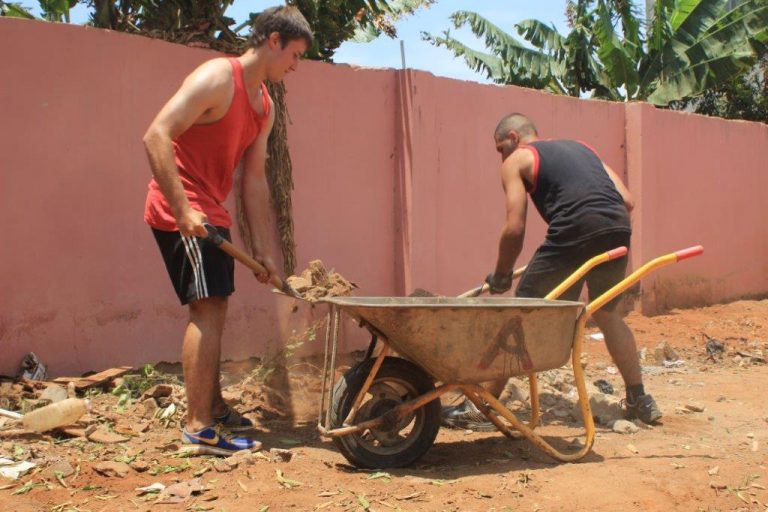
232 421
644 409
210 442
467 417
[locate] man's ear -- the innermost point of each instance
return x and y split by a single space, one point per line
274 41
514 137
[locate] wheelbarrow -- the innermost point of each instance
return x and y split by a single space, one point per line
385 411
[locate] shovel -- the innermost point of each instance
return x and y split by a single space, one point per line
476 292
242 257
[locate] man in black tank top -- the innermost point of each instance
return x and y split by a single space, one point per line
586 207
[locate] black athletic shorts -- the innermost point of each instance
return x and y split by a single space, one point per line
550 266
198 268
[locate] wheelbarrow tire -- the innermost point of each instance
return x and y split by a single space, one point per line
425 424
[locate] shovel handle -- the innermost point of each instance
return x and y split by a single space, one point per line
476 292
229 248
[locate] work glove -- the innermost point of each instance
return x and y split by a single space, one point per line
499 282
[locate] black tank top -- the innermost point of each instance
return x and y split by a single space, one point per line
573 193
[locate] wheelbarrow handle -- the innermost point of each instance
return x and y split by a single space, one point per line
476 292
215 237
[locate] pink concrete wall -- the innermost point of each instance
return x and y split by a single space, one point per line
82 282
458 210
396 187
702 181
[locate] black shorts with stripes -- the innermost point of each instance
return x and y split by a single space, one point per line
198 268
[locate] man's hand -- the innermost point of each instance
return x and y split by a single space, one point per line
190 223
270 267
499 282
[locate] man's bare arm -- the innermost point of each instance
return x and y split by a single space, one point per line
511 242
629 202
198 99
255 197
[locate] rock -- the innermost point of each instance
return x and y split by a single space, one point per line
62 467
624 427
694 406
158 391
584 361
632 448
54 393
104 437
232 461
150 407
222 466
516 390
713 471
139 466
281 455
180 492
605 409
112 469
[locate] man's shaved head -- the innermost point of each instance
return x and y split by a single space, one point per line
517 122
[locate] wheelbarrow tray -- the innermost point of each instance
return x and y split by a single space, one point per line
471 340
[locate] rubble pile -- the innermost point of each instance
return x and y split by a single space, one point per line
316 283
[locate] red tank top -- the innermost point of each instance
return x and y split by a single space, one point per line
207 155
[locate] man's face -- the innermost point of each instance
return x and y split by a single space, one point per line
285 59
506 144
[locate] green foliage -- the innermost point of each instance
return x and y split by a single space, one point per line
687 48
743 97
335 22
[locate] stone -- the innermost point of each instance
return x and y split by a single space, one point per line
104 437
158 391
222 466
62 467
694 406
281 455
624 427
150 407
54 393
605 409
112 469
140 466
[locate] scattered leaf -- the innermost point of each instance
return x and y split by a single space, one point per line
286 482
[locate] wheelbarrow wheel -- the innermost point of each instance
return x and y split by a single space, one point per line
389 445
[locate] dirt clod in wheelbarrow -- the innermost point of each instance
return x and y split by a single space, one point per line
317 282
421 292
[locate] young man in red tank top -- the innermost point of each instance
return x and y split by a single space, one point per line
586 207
221 115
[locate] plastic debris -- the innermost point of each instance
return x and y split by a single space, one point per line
32 368
13 469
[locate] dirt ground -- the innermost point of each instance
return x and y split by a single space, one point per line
710 459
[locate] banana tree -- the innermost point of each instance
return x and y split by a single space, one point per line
50 10
687 47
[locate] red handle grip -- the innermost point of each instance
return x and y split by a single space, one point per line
617 253
689 252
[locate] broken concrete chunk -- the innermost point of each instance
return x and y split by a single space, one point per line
624 427
112 469
104 437
54 393
223 466
158 391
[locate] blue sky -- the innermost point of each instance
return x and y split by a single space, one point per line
385 52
